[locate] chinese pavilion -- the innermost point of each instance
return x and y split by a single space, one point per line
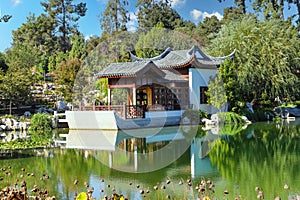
174 80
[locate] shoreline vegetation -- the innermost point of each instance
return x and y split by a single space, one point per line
37 134
39 126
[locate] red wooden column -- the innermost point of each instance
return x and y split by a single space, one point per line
134 95
109 97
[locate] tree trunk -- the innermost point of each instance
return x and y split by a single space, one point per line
64 29
281 5
243 5
297 2
10 106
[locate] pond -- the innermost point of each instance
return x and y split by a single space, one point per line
175 159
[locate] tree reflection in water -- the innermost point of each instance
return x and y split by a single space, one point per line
264 155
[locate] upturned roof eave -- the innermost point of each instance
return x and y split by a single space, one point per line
161 56
222 59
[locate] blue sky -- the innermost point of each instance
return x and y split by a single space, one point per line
194 10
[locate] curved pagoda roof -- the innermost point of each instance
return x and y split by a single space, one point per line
129 69
134 69
169 59
181 58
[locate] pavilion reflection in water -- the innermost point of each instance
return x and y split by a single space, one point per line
143 150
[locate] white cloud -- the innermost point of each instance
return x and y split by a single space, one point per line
177 3
88 37
16 2
133 16
132 24
198 15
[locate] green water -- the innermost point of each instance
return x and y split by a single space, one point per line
264 154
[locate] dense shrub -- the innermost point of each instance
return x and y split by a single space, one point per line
258 114
41 121
230 118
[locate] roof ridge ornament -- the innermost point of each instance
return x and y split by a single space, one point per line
198 53
191 52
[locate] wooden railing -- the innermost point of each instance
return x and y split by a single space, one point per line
124 111
130 111
133 111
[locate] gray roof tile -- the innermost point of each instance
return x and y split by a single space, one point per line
172 76
167 60
122 69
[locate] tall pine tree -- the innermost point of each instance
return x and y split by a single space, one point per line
66 14
115 16
153 12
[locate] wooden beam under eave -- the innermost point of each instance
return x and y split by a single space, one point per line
122 86
186 77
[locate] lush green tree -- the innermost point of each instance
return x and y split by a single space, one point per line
270 8
186 27
144 9
241 5
38 38
65 75
115 16
18 78
217 93
20 56
210 25
158 39
232 13
151 13
275 9
208 29
37 34
69 65
93 42
79 47
266 58
189 28
65 14
15 85
3 65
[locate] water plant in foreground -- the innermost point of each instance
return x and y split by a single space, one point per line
25 184
21 186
